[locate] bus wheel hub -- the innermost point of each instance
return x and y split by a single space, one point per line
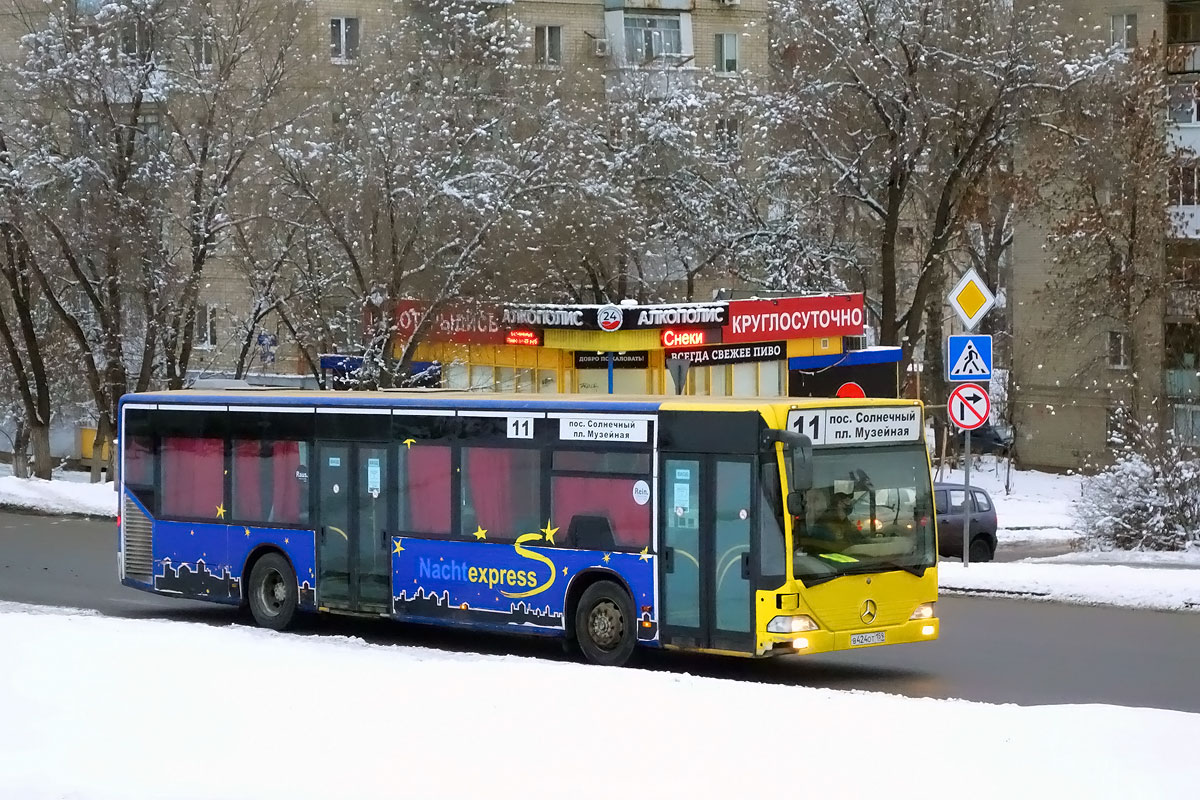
606 625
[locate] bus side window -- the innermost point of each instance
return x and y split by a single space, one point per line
140 458
193 477
270 481
501 492
424 488
601 499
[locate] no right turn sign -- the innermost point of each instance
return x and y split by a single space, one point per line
969 406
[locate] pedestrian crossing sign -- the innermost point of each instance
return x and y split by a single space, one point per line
969 358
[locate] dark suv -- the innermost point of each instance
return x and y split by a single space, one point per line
952 504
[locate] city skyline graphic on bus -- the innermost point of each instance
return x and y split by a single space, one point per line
506 583
206 560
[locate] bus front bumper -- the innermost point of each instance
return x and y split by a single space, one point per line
823 641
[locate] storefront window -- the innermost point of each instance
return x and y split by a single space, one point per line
456 376
745 380
547 381
483 379
717 381
770 380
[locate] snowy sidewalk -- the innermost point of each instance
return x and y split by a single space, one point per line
1086 584
181 697
68 493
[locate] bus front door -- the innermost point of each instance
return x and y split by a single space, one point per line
353 560
707 598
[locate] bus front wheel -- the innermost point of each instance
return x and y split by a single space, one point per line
605 625
272 592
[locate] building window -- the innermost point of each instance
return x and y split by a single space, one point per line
1124 31
1181 188
547 47
1186 424
1114 427
648 37
1181 103
343 38
727 135
150 131
727 52
135 38
205 326
204 50
1118 350
1183 27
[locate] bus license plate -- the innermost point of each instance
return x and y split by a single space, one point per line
866 638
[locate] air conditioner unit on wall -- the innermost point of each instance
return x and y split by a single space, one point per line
730 2
600 47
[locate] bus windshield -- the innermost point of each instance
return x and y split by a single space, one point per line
869 510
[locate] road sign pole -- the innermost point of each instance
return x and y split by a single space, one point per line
967 504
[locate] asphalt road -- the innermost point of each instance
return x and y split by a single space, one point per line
992 650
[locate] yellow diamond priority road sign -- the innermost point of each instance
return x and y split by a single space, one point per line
971 299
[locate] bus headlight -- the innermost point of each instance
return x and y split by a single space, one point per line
792 624
924 611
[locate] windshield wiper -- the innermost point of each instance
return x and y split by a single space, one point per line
810 581
888 566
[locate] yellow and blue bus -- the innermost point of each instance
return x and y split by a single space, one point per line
745 527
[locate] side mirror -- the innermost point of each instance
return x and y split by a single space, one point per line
795 504
802 467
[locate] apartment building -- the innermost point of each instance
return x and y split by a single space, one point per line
1068 391
594 47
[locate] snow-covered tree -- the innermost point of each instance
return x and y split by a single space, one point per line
900 111
1148 498
130 127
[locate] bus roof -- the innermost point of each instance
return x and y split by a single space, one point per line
443 398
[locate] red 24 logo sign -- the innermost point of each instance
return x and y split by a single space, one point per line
610 318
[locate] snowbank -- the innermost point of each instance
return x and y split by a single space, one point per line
59 496
110 708
1088 584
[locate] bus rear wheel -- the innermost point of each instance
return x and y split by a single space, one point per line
605 626
272 592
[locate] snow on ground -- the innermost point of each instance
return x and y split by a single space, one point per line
68 493
1040 507
1088 584
97 708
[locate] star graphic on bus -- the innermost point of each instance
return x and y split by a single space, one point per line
221 511
247 532
607 557
396 548
645 554
480 532
549 532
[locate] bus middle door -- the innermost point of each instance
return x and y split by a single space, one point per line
352 552
707 595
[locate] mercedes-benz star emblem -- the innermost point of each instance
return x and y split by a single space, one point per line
869 610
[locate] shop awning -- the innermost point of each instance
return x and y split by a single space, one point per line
871 355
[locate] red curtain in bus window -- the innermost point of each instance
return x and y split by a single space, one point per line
490 483
287 494
193 477
602 497
428 492
247 480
